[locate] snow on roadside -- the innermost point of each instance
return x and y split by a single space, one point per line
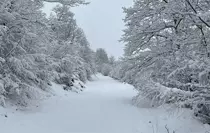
103 107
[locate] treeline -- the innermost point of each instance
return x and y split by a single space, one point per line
35 50
167 53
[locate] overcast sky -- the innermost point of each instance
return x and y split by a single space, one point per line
102 22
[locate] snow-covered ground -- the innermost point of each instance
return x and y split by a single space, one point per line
104 107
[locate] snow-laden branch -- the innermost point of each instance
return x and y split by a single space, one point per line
158 29
194 10
68 2
160 94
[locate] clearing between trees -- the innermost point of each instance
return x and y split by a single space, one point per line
105 106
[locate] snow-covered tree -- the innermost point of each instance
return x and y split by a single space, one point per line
22 37
35 50
101 58
72 50
167 47
112 60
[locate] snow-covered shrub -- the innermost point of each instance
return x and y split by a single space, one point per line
22 78
106 69
122 71
117 71
202 111
161 86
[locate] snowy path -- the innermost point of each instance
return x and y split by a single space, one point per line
104 107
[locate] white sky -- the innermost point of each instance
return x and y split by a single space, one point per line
102 22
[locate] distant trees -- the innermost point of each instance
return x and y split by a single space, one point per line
112 60
35 50
101 56
103 62
167 46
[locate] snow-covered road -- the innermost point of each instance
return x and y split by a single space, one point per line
104 107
